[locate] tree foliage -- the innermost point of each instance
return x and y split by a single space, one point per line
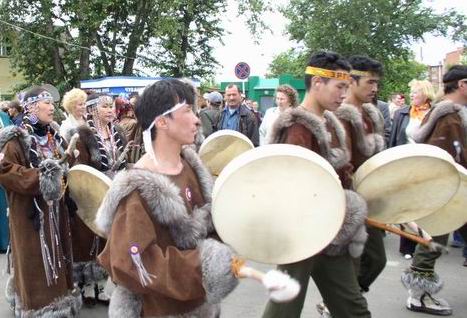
382 29
290 62
398 73
92 38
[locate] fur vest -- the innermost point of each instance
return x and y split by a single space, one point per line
337 156
367 144
188 231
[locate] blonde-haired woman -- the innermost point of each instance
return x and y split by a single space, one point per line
286 97
74 103
406 122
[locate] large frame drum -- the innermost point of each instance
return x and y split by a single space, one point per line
451 216
221 147
278 204
407 182
88 187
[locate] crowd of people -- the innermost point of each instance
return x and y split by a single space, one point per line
161 251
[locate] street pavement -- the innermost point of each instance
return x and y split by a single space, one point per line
386 298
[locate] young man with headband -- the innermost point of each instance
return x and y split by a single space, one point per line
444 126
313 125
364 125
158 220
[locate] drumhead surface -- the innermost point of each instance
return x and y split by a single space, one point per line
88 187
407 182
278 204
221 147
451 216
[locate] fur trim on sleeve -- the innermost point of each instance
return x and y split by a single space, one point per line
216 262
350 236
440 110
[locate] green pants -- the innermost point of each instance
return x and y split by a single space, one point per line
423 259
373 259
335 278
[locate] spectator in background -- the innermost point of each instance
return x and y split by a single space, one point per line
286 97
384 109
126 117
74 103
406 122
210 114
396 102
16 112
237 116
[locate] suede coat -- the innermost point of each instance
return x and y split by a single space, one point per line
327 138
86 244
365 131
28 290
187 274
443 126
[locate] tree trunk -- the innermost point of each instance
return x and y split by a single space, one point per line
135 37
105 61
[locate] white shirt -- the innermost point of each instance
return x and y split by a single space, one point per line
265 128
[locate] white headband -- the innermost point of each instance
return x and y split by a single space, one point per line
147 132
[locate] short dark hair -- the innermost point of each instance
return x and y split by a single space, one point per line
160 97
365 64
326 60
453 76
232 85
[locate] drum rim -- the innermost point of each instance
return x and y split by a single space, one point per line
102 177
260 153
438 214
222 133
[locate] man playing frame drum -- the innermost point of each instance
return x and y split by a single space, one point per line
313 125
444 126
364 126
158 221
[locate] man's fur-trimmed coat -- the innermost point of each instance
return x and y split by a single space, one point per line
189 273
27 291
327 138
365 131
443 126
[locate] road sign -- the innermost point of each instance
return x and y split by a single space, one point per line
242 70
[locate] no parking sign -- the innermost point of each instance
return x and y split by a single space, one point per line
242 70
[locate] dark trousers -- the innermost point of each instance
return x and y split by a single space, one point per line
407 246
335 278
373 259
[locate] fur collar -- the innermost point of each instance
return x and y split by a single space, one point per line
164 200
10 132
368 144
440 110
88 139
338 157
